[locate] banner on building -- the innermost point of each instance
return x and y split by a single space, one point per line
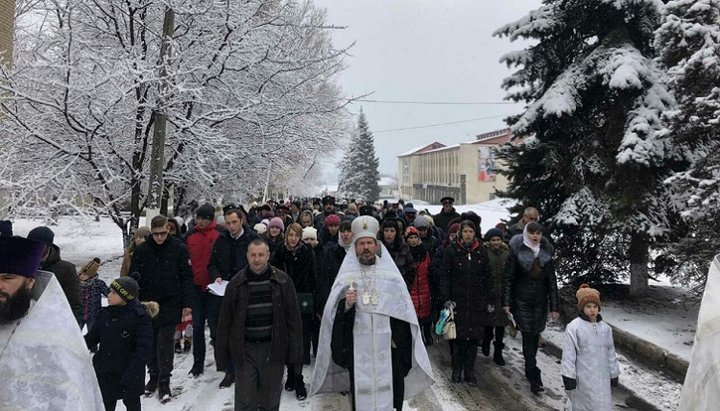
486 164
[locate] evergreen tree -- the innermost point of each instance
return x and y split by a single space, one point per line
592 160
359 175
688 42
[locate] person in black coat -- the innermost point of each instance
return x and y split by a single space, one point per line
529 289
466 280
124 331
166 278
297 260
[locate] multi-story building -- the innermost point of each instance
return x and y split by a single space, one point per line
465 171
7 28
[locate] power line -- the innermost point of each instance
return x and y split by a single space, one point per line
440 124
437 103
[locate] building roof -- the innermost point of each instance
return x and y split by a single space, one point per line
494 137
423 149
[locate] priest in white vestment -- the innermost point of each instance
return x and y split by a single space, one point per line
701 390
370 340
44 363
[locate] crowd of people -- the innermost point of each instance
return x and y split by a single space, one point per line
311 279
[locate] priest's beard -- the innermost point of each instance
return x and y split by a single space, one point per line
15 307
367 258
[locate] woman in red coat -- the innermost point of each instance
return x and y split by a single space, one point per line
420 289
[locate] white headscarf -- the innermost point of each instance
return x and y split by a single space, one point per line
528 242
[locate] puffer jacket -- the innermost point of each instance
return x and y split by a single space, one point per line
200 243
530 287
420 289
466 280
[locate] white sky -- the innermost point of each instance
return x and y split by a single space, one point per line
425 50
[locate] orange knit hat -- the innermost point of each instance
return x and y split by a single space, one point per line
586 295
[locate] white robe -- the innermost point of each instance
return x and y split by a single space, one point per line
371 331
589 358
701 390
45 364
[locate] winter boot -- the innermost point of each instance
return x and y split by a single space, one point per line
536 385
290 382
497 355
197 368
300 390
227 381
457 375
164 392
151 385
178 347
188 344
486 347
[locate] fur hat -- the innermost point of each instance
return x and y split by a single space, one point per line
260 228
332 219
42 234
309 232
586 295
20 256
493 232
126 287
277 222
206 212
365 226
90 268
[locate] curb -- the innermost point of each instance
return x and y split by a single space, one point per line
632 400
651 354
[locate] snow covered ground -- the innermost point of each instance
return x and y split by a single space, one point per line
501 388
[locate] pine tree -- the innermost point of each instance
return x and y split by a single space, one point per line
592 160
688 42
359 174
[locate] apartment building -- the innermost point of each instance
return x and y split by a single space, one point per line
465 171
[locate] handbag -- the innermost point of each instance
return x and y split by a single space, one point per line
440 324
306 303
449 331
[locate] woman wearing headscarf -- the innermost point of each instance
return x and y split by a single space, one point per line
466 281
297 260
529 289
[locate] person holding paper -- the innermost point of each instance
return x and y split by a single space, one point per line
229 256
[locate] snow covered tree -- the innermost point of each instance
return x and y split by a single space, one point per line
249 87
688 43
590 156
359 175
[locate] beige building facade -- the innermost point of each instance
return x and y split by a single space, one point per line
7 28
467 171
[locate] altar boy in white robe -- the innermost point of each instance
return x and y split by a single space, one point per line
370 341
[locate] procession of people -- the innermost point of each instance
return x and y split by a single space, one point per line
354 291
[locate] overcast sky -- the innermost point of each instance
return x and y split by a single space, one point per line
425 50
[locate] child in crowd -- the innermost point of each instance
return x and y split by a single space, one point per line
589 364
91 291
124 331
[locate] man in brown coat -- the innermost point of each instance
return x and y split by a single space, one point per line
259 330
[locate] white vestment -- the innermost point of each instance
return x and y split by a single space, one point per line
45 364
701 390
372 337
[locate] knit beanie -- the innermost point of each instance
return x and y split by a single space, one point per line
90 268
126 287
206 212
411 231
493 232
277 222
309 232
260 228
421 222
42 234
586 295
332 219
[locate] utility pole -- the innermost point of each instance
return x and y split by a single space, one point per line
157 158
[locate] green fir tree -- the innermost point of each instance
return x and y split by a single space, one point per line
359 174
